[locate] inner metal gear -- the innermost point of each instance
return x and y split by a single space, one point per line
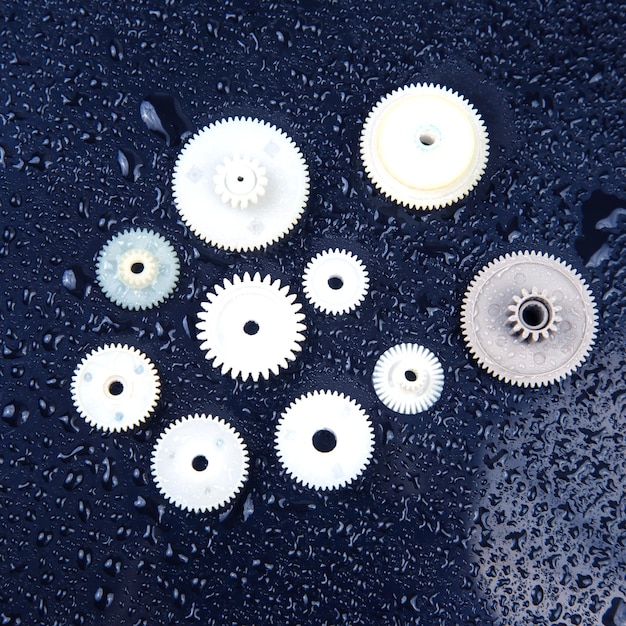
424 146
115 387
240 202
324 440
408 378
240 181
137 269
251 327
200 463
335 281
549 302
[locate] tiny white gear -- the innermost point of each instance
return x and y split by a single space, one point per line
324 440
536 292
335 281
240 202
137 269
408 378
115 387
200 463
251 327
424 146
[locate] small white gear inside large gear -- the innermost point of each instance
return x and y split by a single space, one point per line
424 146
529 319
240 184
115 387
200 463
408 378
137 269
324 440
335 281
251 327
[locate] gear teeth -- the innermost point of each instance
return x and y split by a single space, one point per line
189 440
570 337
210 215
136 394
251 328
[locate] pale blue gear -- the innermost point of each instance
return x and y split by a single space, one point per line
137 269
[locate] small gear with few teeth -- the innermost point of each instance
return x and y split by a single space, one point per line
137 269
529 318
324 440
200 463
408 378
335 281
251 327
240 184
424 146
115 387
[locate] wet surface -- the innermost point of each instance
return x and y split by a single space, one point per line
498 505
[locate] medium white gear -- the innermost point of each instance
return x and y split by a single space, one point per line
240 202
424 146
251 327
115 387
408 378
137 269
200 463
567 312
335 281
324 440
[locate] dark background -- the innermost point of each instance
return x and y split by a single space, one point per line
499 505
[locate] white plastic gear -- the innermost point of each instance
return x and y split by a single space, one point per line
251 327
408 378
335 281
231 213
115 387
534 315
424 146
333 416
200 463
488 331
137 269
240 181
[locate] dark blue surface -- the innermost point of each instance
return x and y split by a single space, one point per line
492 476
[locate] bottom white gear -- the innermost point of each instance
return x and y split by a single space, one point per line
115 387
324 440
408 378
200 463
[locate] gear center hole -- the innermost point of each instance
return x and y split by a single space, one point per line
137 268
324 440
427 139
535 314
251 328
410 375
335 282
199 463
240 178
116 387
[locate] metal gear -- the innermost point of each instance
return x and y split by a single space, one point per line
324 440
529 319
335 281
408 378
137 269
200 463
251 327
240 184
424 146
115 387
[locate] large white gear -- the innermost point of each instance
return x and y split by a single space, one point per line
137 269
251 327
335 281
529 318
200 463
115 387
240 184
424 146
324 440
408 378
